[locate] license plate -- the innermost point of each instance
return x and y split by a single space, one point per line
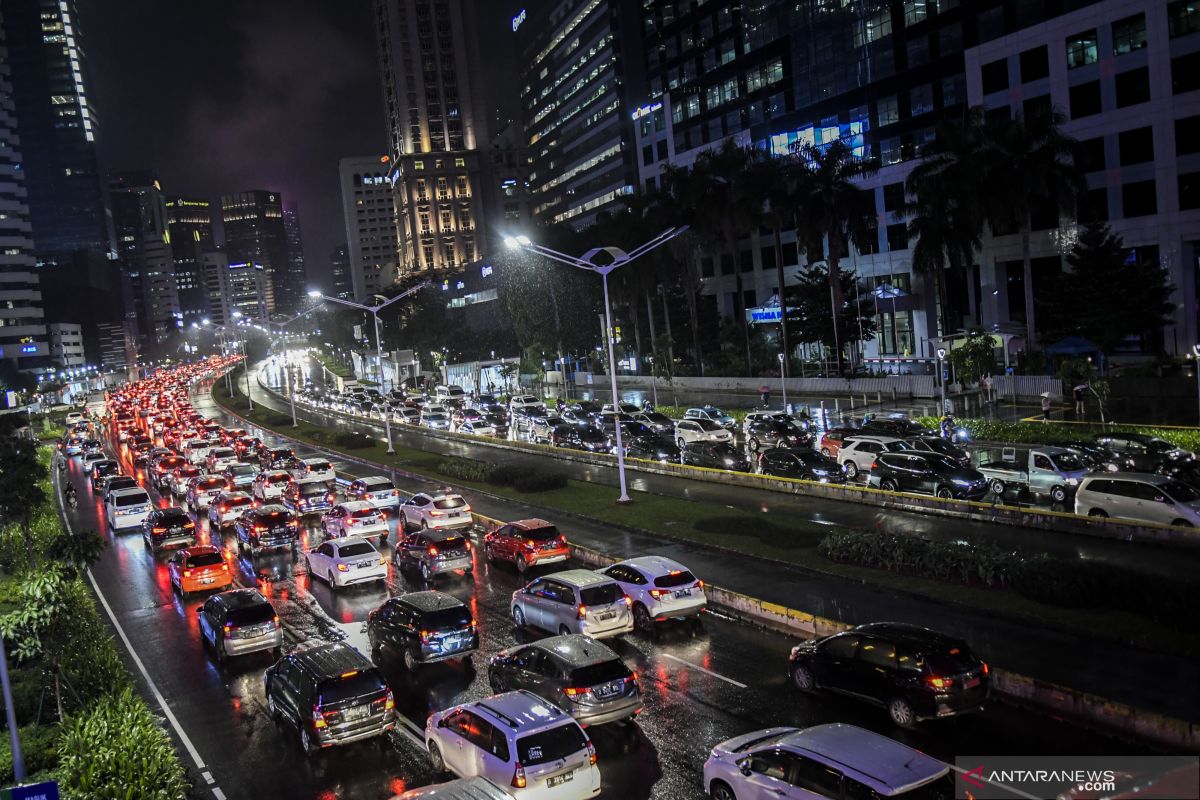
607 616
684 593
558 780
972 683
453 514
207 580
363 564
357 712
606 691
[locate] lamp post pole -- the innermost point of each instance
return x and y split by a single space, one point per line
941 356
783 379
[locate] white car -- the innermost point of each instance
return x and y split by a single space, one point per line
858 453
758 416
700 430
219 458
179 478
304 470
127 508
424 510
376 490
660 589
711 413
526 402
477 428
240 475
226 507
342 562
406 416
516 740
435 420
269 485
196 451
75 416
354 518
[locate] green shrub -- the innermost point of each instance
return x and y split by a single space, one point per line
117 749
988 430
761 528
39 747
537 479
473 470
352 440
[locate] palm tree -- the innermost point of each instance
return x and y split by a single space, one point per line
833 206
671 209
1028 164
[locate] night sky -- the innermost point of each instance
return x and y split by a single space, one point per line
222 96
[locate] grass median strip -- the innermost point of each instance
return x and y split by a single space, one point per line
772 536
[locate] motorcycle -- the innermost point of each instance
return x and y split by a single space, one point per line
71 496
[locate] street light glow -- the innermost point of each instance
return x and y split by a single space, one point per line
515 242
313 293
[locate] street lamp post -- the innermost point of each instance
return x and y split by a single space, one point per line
618 258
387 416
783 380
941 355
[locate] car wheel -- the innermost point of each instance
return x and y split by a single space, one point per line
722 791
753 445
219 648
851 470
1182 523
680 443
435 759
901 712
825 451
1058 494
1098 513
888 485
998 488
487 553
426 575
272 709
642 619
803 678
563 630
518 617
523 565
944 493
331 580
306 742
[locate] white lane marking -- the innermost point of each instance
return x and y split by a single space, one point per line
217 793
208 778
704 670
1005 786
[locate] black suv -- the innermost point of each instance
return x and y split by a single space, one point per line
913 672
651 447
423 627
936 444
580 437
102 471
893 426
331 694
1140 453
776 433
168 526
805 465
714 455
274 457
265 528
927 473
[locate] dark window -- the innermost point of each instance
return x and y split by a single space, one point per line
791 254
1036 107
1136 146
647 155
897 237
893 196
1093 206
767 257
1138 199
1189 191
1082 48
1089 155
552 745
815 777
726 264
1187 135
706 267
1183 17
1133 87
877 652
840 647
1129 34
1035 64
998 117
747 260
1085 99
1185 73
995 76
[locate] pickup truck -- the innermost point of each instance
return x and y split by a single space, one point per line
1053 471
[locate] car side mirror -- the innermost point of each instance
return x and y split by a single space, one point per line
199 610
442 723
744 766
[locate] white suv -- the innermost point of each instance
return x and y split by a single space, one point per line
127 508
700 430
660 589
435 510
526 402
858 453
516 740
574 601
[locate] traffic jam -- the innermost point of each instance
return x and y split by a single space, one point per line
549 665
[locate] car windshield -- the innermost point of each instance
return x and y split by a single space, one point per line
132 499
601 595
355 550
313 489
241 469
673 579
174 517
543 534
1068 462
319 466
1181 492
446 619
204 560
350 686
449 502
604 672
550 745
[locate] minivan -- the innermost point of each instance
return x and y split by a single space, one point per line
574 601
423 628
127 508
1140 497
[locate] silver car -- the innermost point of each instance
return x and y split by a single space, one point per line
574 601
239 622
434 552
1140 497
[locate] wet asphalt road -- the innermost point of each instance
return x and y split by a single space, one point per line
703 683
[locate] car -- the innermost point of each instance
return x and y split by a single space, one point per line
101 471
651 447
203 489
831 441
196 451
435 510
660 589
1140 497
712 414
407 416
1139 452
434 420
656 421
74 417
127 508
480 427
180 477
269 485
900 427
115 482
344 562
73 445
312 469
714 455
936 444
147 454
800 464
355 518
240 622
515 739
168 527
219 458
858 454
912 672
830 760
90 459
266 527
240 476
700 430
574 601
226 507
526 402
423 628
526 543
476 788
581 437
449 393
576 673
927 473
376 490
246 447
272 458
434 551
540 427
308 497
331 695
776 432
198 568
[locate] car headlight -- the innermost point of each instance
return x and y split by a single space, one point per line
820 472
1072 481
961 482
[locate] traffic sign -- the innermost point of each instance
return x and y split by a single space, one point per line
36 791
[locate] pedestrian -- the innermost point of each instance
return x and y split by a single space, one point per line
765 392
1045 407
1080 393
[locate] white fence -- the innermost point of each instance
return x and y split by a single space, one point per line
1027 386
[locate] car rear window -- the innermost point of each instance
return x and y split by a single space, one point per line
252 615
313 489
281 452
452 543
349 687
595 674
240 500
132 499
449 502
241 469
205 560
277 479
274 517
379 486
357 549
952 660
174 518
677 578
550 745
601 595
365 512
543 534
319 465
446 619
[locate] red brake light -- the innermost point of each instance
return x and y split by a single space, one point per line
940 683
658 594
159 530
433 551
581 612
187 573
571 691
591 753
518 778
985 668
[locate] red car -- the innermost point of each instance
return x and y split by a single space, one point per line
832 441
526 543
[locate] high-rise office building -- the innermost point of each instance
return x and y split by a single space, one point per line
370 216
246 291
140 224
66 345
430 61
214 276
339 273
581 77
297 278
23 337
56 119
190 232
254 233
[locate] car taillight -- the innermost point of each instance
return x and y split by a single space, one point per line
658 594
518 778
159 530
437 513
260 528
572 691
591 753
627 600
940 683
561 541
581 612
224 568
985 668
275 620
187 573
318 718
433 551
